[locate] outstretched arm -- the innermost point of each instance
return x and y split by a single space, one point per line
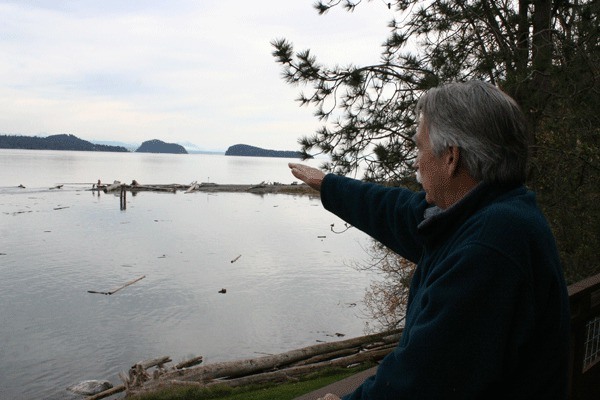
390 215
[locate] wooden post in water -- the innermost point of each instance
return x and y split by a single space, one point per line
123 198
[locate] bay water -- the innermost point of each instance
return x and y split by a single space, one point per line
289 279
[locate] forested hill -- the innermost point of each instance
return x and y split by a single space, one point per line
158 146
251 151
54 142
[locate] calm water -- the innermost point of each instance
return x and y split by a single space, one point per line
290 288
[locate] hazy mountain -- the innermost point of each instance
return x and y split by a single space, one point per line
192 148
128 145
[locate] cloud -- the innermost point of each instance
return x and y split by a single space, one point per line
180 71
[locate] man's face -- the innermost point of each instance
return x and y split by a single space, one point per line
430 168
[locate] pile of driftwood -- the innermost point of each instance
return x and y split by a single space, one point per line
118 186
138 374
289 366
263 187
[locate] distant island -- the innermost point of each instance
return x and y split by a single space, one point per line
251 151
54 142
72 142
158 146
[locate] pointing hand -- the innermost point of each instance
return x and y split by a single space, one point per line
309 175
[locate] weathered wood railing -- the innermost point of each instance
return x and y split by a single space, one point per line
584 382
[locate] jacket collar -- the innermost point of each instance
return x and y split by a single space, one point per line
438 224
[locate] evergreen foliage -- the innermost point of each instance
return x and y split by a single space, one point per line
544 53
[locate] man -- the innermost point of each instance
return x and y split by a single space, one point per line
487 315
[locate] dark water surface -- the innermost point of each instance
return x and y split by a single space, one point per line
291 286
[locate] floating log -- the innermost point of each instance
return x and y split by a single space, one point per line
114 186
126 284
193 187
118 288
153 188
210 187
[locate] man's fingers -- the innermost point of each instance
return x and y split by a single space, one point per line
299 171
297 168
309 175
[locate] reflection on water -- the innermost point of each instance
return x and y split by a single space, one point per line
289 288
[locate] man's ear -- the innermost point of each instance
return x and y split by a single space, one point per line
452 160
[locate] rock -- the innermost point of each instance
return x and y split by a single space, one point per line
90 387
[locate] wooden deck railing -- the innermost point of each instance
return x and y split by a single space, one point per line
584 380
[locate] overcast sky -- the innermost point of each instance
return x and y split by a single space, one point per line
198 71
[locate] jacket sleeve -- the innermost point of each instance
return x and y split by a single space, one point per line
390 215
468 326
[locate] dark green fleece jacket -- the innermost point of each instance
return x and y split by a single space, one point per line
488 314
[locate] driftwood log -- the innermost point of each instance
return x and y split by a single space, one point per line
115 290
106 393
113 186
260 188
189 363
276 368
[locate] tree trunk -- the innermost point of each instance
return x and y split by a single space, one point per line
541 59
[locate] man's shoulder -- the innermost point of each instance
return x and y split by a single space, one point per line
516 211
513 225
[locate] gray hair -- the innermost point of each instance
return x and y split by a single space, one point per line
486 125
